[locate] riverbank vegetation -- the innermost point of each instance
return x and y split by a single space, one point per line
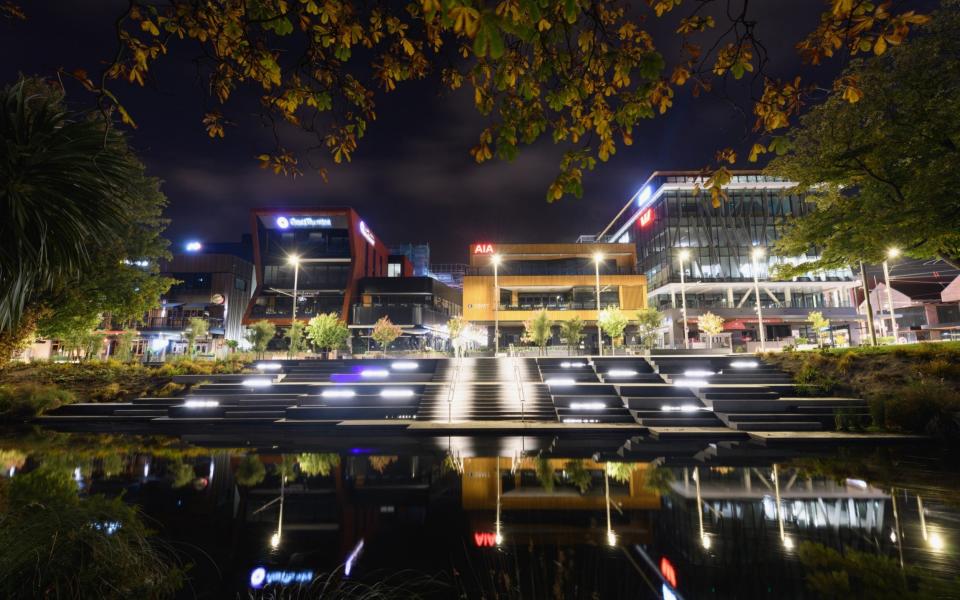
911 388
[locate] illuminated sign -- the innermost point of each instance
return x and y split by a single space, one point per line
367 234
303 222
484 540
483 248
646 217
260 577
669 573
643 195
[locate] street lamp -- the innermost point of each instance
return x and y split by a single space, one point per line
891 253
683 256
756 254
295 261
611 536
597 259
495 259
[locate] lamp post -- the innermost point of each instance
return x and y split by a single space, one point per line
597 259
495 259
684 255
891 253
758 253
295 261
611 536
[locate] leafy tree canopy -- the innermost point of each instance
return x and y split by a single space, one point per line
327 331
883 171
580 72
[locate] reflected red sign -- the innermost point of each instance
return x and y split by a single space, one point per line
668 572
483 248
646 217
484 540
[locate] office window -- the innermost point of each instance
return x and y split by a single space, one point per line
394 270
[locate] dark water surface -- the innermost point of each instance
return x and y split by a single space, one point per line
524 517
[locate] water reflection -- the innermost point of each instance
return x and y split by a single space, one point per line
512 517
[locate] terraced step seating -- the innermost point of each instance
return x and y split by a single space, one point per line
672 395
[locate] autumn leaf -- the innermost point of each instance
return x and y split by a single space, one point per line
755 151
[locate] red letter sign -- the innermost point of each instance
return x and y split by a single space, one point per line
646 217
483 248
484 540
668 572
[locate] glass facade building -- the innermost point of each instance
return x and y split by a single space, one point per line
674 225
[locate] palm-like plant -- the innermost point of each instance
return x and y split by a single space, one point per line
63 180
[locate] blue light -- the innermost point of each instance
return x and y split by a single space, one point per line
257 577
260 576
193 246
643 195
283 222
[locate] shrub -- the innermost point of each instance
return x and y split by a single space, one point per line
250 471
318 464
170 389
112 392
924 407
182 474
29 400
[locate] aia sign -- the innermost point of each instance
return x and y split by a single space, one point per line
484 540
483 248
646 217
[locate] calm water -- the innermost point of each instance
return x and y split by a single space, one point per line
519 517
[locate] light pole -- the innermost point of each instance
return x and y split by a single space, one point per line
611 536
684 255
597 259
495 259
295 261
758 253
891 253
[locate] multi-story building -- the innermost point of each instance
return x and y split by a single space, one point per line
674 227
322 252
214 283
417 254
558 278
421 306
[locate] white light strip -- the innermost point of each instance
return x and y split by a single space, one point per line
269 367
394 393
698 373
374 373
690 382
348 564
587 405
201 403
338 393
744 364
574 420
621 373
256 383
404 365
572 365
561 381
687 408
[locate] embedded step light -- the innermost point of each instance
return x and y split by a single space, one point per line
687 408
404 365
374 373
572 365
257 383
572 420
621 373
271 366
394 393
338 393
201 403
690 382
698 373
744 364
561 381
587 405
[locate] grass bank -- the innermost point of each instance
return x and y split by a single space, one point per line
30 389
913 388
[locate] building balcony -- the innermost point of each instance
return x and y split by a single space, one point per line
400 314
177 323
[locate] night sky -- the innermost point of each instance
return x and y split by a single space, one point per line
412 178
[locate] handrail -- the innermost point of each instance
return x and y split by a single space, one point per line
520 391
451 387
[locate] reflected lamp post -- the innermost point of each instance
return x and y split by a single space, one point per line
597 259
683 256
611 536
295 261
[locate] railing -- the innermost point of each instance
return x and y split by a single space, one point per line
561 306
401 314
505 270
177 323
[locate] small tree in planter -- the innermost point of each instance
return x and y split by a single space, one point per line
613 323
539 330
385 332
296 339
259 335
457 328
327 332
124 345
197 328
819 323
571 332
710 324
649 321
